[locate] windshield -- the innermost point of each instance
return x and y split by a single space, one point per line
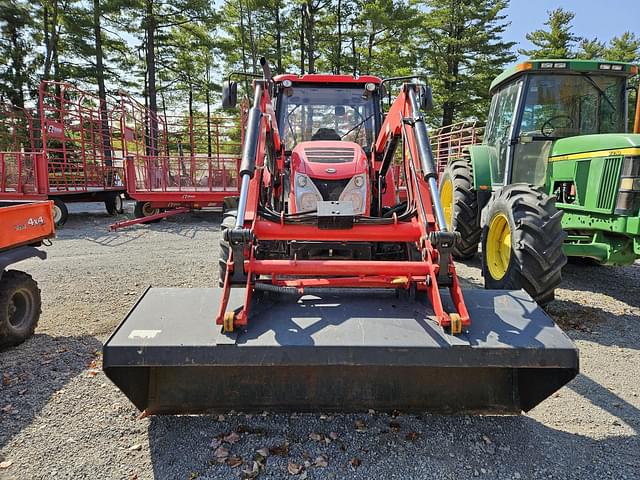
327 113
567 105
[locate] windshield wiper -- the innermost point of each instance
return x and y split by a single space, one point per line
597 87
358 125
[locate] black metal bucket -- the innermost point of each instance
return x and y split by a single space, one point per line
337 354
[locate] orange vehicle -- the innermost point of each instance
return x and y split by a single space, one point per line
23 228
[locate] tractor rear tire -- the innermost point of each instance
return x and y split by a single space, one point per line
60 212
522 242
460 205
20 307
228 222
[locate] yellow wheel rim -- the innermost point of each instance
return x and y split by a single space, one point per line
498 246
446 200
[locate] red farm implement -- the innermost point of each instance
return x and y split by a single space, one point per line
338 289
66 150
452 141
178 162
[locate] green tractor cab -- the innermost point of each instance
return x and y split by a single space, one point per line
555 167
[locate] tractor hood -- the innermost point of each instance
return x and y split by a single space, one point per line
604 144
328 159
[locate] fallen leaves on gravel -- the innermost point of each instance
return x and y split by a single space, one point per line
294 468
394 426
221 454
234 461
6 380
263 452
333 435
280 450
251 471
321 461
412 436
361 426
215 443
6 464
355 462
316 437
232 438
8 409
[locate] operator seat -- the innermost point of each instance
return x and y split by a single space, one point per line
326 134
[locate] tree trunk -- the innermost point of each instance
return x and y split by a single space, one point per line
17 92
311 35
278 39
339 52
302 46
102 92
243 47
150 30
208 99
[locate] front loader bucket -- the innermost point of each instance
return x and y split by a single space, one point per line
337 354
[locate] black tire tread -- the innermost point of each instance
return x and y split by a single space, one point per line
466 216
537 235
9 281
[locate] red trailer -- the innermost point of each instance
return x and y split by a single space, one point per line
178 162
66 150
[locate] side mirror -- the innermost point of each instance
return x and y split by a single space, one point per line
426 99
229 95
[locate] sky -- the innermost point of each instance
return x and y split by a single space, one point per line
602 19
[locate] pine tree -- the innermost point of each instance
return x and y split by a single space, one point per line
591 49
556 42
460 45
625 48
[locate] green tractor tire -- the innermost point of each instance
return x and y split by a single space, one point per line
460 205
522 242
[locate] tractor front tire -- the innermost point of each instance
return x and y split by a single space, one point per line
522 242
460 205
60 212
20 307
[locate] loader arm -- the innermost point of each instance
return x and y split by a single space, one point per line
338 311
422 224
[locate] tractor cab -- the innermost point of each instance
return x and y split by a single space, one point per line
538 103
328 125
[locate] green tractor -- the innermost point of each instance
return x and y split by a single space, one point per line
555 175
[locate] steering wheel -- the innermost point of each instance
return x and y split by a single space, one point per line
548 123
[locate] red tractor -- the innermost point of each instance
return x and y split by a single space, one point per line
347 296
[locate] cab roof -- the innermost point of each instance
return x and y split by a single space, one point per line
564 65
325 78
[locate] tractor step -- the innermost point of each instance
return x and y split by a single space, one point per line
337 354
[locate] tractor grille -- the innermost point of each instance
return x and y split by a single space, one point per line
329 155
608 183
331 189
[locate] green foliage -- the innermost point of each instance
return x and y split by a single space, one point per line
460 46
555 42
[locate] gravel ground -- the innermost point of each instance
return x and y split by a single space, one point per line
60 417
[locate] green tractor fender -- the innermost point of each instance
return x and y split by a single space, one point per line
482 157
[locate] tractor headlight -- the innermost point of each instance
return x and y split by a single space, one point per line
356 193
307 194
628 202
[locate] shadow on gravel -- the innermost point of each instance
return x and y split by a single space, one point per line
590 323
34 371
413 447
619 283
95 227
607 400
